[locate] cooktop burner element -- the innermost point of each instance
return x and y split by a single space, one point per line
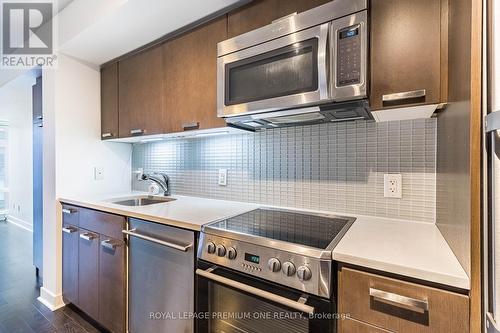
288 226
284 246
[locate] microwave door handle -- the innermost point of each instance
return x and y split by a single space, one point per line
296 305
323 55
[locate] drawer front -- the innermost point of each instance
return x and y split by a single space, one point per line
401 306
354 326
103 223
70 214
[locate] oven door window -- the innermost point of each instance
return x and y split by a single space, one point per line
244 313
233 310
286 71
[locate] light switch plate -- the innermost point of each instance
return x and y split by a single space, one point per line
222 177
98 173
393 185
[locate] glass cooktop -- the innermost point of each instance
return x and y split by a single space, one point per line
316 231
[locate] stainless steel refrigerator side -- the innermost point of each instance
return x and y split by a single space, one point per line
491 179
492 222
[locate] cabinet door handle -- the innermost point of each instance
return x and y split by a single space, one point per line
194 125
69 230
69 210
88 236
401 96
39 117
109 244
399 300
107 135
136 131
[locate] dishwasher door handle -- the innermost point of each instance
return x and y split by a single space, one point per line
296 305
182 248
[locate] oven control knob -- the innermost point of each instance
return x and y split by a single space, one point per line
231 253
211 247
274 265
304 273
221 250
288 268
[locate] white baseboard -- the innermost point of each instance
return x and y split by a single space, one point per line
20 223
50 300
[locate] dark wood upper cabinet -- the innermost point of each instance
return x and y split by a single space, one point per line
109 101
190 73
262 12
141 94
405 50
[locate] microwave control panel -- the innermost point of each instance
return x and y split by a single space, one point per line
349 56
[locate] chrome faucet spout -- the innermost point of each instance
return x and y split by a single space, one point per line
161 179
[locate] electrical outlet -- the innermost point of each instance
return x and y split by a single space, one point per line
222 177
98 173
393 184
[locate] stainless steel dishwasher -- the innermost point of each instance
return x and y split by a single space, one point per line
161 278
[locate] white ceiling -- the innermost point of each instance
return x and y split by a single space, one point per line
97 31
125 25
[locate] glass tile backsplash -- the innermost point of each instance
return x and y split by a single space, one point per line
336 167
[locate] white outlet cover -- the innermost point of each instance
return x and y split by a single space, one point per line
393 185
98 173
222 177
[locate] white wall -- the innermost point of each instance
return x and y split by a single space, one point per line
72 148
16 108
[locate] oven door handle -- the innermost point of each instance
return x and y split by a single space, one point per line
296 305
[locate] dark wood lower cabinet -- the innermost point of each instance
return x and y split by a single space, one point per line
112 300
88 273
70 263
94 267
380 304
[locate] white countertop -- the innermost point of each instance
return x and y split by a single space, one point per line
416 250
184 212
411 249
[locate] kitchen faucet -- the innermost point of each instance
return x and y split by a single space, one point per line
161 179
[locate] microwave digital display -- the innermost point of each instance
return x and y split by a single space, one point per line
252 258
348 33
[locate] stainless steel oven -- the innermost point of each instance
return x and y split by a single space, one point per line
289 71
268 270
236 303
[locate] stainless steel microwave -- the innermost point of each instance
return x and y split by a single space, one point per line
305 68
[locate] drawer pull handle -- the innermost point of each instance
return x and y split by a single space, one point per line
107 135
69 230
108 243
403 95
87 236
191 126
399 301
69 210
136 131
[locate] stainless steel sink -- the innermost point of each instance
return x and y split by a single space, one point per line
142 201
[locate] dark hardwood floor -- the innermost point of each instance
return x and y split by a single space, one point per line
20 311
